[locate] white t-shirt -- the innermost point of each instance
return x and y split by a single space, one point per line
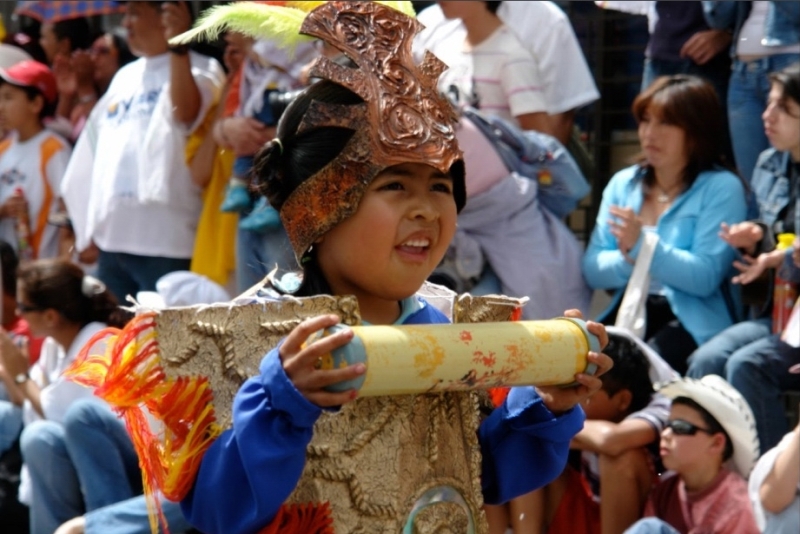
128 186
36 166
546 32
498 76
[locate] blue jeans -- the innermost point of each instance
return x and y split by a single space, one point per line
756 363
651 525
10 424
258 253
86 463
127 274
747 97
130 517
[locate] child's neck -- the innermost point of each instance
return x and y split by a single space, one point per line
701 476
28 131
480 28
379 311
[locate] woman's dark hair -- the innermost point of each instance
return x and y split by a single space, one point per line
631 371
710 421
8 263
692 104
78 31
493 7
59 285
120 39
789 79
280 169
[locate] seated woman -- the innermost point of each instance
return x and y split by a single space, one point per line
58 301
753 359
680 193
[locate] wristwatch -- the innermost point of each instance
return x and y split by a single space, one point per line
21 378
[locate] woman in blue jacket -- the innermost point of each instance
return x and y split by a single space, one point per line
682 192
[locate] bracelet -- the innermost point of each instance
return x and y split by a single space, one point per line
179 50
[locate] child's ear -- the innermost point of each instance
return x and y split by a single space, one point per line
623 399
37 104
718 443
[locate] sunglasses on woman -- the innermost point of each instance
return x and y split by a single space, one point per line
685 428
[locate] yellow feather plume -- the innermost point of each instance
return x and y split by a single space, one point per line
260 21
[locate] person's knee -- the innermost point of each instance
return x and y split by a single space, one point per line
630 464
40 439
650 525
85 414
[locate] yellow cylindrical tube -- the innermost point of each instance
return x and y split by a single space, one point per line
450 357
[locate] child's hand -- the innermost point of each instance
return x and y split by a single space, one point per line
300 361
796 251
560 399
13 207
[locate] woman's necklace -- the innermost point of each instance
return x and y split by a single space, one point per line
664 196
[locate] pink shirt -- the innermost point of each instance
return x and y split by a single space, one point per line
721 508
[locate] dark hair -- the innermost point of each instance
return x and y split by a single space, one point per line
77 31
631 371
710 421
493 7
279 169
692 104
789 79
59 285
120 39
9 263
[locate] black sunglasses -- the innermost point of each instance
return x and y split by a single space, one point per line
685 428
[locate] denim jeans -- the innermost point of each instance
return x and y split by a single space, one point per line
130 517
10 424
86 463
651 525
747 97
756 363
258 253
127 274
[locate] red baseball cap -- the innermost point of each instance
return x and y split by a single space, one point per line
31 73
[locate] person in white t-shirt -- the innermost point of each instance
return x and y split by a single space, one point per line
32 160
491 70
128 188
547 34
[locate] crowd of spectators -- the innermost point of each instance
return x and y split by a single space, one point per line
125 160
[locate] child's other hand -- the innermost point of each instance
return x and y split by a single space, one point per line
796 251
559 399
300 360
13 207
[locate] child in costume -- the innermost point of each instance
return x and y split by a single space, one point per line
367 177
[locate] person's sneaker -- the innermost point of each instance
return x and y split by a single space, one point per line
263 217
236 199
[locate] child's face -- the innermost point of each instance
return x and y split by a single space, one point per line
683 453
394 241
16 110
604 407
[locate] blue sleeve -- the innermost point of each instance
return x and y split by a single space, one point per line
251 469
720 15
701 269
524 446
604 266
788 10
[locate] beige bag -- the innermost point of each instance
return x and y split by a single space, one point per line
632 314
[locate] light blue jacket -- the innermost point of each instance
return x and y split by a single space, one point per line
781 28
690 260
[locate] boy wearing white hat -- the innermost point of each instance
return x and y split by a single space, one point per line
710 444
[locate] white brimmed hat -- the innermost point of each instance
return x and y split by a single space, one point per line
730 410
182 288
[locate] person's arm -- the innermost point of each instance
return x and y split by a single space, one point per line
604 265
780 487
259 460
612 439
561 125
539 121
708 258
523 445
183 90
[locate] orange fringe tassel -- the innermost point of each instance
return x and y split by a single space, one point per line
301 519
129 377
